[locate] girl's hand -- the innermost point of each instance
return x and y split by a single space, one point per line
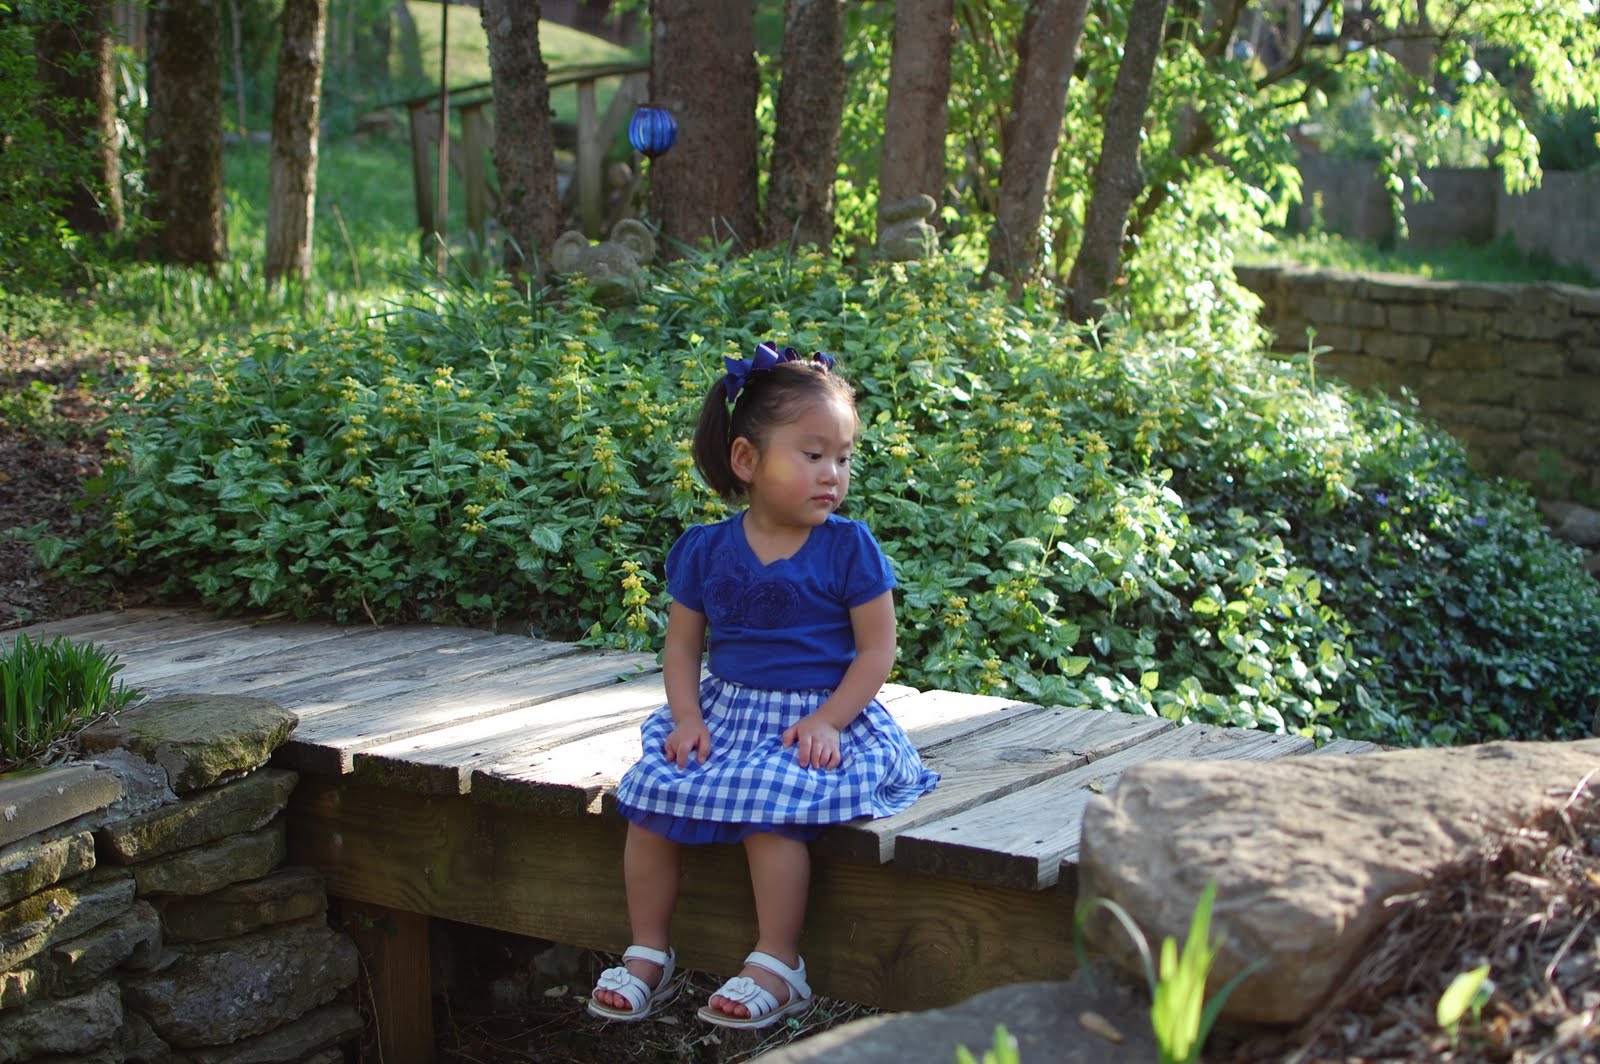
688 738
816 742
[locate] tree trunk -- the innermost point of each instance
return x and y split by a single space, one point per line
76 66
805 146
524 134
1118 176
1032 134
183 127
917 114
410 44
703 69
296 96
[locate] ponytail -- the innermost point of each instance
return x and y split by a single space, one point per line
712 444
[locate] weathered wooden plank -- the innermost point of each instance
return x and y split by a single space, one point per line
327 741
162 631
568 780
366 651
1350 746
1020 751
171 664
454 655
580 775
873 933
1023 839
934 717
443 761
85 627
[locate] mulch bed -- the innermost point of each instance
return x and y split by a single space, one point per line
1528 905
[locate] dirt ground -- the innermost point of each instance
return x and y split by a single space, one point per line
1529 906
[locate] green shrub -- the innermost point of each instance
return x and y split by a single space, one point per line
1149 527
50 691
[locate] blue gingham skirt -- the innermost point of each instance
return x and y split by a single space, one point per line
750 783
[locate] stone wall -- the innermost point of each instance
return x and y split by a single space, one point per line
146 914
1512 370
1560 218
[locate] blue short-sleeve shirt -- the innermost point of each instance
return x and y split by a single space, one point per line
784 626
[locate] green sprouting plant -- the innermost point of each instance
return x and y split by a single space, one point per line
1180 1014
1469 990
49 691
1005 1050
30 406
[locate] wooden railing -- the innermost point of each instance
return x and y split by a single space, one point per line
470 154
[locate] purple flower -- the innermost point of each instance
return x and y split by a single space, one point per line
1383 498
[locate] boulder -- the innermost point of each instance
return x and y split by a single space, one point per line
1070 1022
66 1025
33 802
1306 852
283 897
204 869
35 863
215 813
217 995
199 739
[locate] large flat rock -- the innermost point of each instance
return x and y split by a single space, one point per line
1305 852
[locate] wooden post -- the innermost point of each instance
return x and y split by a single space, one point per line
399 979
475 137
591 154
421 187
441 215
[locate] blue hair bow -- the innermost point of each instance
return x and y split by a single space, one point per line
766 356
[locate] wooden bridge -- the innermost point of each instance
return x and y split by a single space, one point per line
453 773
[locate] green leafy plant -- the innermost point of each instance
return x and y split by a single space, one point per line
50 690
1470 990
1005 1050
1170 529
1181 1016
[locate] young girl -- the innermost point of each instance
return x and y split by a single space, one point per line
785 734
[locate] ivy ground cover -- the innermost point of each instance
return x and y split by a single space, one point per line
1124 522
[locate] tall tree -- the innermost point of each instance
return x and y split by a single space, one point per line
183 127
75 60
1031 135
805 144
1118 176
917 114
296 97
524 134
703 68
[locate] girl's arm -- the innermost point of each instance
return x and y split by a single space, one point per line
817 735
680 669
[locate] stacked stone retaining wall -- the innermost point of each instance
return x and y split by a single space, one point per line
146 914
1512 370
1560 218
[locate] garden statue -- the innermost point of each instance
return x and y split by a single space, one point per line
613 266
905 234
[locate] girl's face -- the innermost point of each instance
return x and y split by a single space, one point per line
801 473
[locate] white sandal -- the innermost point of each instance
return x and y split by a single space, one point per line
764 1008
642 999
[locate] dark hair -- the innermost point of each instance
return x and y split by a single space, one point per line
768 399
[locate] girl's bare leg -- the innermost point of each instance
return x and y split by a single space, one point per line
780 876
650 876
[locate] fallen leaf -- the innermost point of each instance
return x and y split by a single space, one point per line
1095 1023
